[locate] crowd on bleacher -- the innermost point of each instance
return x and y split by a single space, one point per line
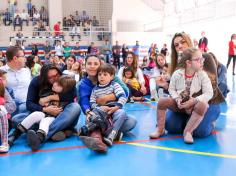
69 80
12 16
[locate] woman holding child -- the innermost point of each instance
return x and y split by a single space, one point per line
132 61
66 118
176 121
84 89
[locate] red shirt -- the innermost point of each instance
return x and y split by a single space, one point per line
231 48
57 29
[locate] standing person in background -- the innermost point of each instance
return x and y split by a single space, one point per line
67 50
76 51
124 51
35 50
106 50
164 50
116 49
136 49
232 51
203 42
29 8
47 48
150 50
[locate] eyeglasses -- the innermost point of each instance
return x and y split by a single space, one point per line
199 59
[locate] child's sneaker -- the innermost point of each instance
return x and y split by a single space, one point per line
131 100
110 138
154 96
4 148
119 136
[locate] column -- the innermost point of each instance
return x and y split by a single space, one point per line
55 12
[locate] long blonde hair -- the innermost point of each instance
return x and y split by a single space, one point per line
174 55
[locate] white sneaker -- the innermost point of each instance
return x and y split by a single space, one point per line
154 95
4 148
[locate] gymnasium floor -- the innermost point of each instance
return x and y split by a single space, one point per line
137 155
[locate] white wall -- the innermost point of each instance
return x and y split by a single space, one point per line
130 13
55 13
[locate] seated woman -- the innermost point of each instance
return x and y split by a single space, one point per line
175 121
84 91
222 75
132 61
66 119
133 85
157 75
190 89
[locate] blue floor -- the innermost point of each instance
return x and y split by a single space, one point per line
215 155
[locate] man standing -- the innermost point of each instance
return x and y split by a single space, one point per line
116 50
203 42
136 49
106 50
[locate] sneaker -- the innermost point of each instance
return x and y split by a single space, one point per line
4 148
58 136
153 99
131 100
110 138
119 136
154 95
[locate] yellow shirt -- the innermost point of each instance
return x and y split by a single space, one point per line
133 83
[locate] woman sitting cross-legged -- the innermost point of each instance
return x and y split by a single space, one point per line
66 119
84 89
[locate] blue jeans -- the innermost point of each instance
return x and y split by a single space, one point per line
20 107
176 122
18 118
118 118
129 123
66 119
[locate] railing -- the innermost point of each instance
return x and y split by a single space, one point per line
87 36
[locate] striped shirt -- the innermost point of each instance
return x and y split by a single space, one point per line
112 88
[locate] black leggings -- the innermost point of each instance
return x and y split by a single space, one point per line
229 60
134 92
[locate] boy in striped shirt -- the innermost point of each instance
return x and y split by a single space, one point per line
106 85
